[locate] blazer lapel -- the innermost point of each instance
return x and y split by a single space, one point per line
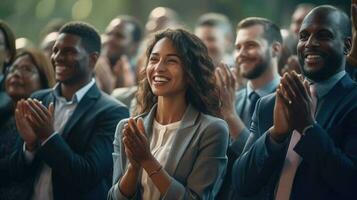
48 99
148 121
333 100
241 101
88 100
182 139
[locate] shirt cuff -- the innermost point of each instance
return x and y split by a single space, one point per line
307 128
29 156
44 142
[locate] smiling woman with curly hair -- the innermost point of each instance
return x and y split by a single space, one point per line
176 147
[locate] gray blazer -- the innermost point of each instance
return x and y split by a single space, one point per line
197 161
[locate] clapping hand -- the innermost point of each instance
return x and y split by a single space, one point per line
137 147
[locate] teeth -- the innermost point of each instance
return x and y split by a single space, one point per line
313 56
60 68
160 79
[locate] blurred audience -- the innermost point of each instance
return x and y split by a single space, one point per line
117 65
215 30
30 71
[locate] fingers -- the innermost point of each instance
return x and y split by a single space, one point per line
281 96
39 113
286 89
135 135
18 119
293 87
220 78
51 109
307 88
300 85
140 124
226 76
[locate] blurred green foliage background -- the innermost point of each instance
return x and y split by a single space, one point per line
28 17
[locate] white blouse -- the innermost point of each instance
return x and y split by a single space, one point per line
160 146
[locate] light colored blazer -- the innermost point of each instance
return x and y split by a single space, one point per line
197 161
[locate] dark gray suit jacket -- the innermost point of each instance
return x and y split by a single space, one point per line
328 150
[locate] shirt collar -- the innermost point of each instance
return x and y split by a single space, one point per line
324 87
266 89
78 96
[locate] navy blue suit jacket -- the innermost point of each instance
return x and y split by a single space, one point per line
329 151
80 158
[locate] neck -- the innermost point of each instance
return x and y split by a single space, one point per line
265 78
170 109
68 90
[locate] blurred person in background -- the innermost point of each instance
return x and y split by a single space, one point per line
30 71
50 34
7 55
117 65
7 49
161 18
215 30
288 61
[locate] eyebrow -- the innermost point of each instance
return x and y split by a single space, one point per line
171 54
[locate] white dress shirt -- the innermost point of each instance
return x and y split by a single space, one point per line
160 146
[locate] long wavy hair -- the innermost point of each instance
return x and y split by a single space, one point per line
202 92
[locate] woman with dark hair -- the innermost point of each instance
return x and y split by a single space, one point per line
30 71
176 148
7 55
7 48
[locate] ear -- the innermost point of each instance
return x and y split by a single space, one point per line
347 45
276 48
93 57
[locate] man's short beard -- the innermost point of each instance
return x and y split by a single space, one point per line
113 59
258 70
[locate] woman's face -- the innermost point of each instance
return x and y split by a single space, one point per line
164 70
22 79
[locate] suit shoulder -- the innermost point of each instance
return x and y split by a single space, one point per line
211 122
110 101
40 94
268 98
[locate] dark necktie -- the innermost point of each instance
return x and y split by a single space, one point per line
253 97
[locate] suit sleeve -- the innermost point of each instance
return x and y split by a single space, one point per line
238 144
336 164
84 171
119 167
209 168
260 158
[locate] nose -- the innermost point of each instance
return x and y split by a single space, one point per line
312 42
240 53
16 72
160 66
56 56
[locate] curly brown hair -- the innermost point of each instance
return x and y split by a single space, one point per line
202 92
